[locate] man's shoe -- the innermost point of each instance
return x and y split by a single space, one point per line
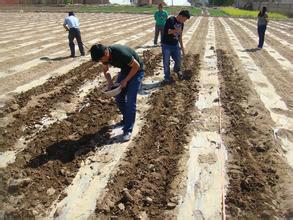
126 137
167 82
180 75
72 56
83 54
119 124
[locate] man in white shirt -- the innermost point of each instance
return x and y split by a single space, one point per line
71 24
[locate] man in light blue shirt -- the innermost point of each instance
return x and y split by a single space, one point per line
71 24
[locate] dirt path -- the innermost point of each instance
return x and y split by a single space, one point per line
54 157
45 157
12 82
283 46
58 41
150 166
146 188
205 159
258 177
280 79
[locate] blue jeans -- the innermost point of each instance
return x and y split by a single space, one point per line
174 52
126 100
261 35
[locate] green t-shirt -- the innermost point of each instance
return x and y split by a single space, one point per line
121 57
161 17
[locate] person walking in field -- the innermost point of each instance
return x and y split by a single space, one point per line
129 78
160 18
173 31
262 21
71 24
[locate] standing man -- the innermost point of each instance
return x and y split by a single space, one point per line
160 17
262 22
71 24
129 78
173 31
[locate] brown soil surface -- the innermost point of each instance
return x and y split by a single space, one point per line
255 166
11 82
280 78
62 46
151 165
52 158
63 88
282 49
144 182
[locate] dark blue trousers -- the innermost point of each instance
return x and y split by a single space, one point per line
75 33
168 52
261 35
126 100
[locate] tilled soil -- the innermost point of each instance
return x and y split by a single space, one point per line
254 165
151 60
59 89
280 78
142 185
53 157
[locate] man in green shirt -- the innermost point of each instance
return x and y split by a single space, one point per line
160 17
129 78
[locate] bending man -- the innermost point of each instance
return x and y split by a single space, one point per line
71 24
129 78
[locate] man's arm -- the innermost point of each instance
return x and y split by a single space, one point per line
267 18
171 29
65 24
65 27
107 75
181 45
134 68
166 15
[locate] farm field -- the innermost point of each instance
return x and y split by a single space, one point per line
216 145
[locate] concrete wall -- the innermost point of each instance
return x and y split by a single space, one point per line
281 6
147 2
284 7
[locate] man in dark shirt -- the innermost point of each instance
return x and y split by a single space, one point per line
173 30
129 78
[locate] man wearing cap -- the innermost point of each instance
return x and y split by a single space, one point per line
129 78
173 31
71 24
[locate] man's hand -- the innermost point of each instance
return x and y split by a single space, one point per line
110 85
183 51
178 30
109 80
174 31
123 83
105 68
66 28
